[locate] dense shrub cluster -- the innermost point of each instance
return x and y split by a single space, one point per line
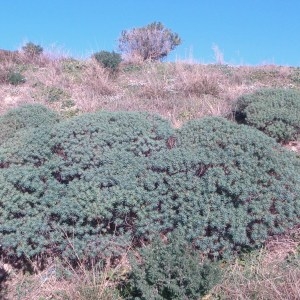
95 182
23 118
170 271
228 186
74 186
274 111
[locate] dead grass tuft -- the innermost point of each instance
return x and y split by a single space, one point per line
196 81
61 281
271 273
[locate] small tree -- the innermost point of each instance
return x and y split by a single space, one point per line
152 42
32 50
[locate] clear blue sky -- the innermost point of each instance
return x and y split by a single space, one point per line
246 31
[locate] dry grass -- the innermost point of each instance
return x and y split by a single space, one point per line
270 273
195 81
178 91
60 281
267 274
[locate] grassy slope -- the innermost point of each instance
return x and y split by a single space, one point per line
178 91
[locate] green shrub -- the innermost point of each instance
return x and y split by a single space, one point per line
274 111
68 103
23 118
295 75
72 189
227 186
170 271
109 60
15 78
90 185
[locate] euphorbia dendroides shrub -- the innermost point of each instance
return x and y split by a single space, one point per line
90 185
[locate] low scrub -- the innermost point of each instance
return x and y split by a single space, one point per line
23 118
274 111
227 186
15 78
170 270
108 60
95 184
73 188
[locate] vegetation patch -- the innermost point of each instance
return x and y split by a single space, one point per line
170 270
109 60
54 94
24 118
95 184
15 78
274 111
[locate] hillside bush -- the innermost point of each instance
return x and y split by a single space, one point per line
71 189
32 50
109 60
15 78
227 186
91 185
151 42
170 270
25 117
274 111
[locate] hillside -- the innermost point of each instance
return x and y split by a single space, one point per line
95 181
178 91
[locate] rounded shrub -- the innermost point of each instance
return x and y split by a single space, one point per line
274 111
228 186
25 117
15 78
72 189
90 185
109 60
170 270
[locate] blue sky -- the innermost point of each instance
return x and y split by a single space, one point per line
248 32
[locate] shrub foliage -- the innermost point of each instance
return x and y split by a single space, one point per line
170 271
25 117
95 182
228 186
274 111
15 78
109 60
32 50
73 187
152 42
